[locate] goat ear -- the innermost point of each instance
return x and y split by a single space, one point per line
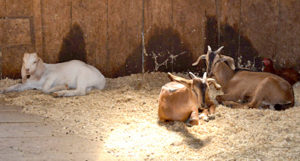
213 81
198 60
229 60
181 80
219 50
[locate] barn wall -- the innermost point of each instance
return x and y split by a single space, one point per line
121 37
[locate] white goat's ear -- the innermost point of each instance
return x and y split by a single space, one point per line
198 60
209 48
219 50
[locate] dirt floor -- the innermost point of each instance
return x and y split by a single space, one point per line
123 118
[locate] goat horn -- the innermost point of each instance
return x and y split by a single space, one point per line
192 75
218 51
204 77
209 48
198 60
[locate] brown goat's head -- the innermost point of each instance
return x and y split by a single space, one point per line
214 57
196 84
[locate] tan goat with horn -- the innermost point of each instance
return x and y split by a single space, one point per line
255 88
180 99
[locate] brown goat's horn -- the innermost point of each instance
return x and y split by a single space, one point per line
198 60
192 75
219 50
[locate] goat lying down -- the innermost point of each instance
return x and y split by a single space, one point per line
255 88
57 78
181 99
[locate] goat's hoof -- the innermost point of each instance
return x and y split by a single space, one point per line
192 122
55 95
212 117
206 119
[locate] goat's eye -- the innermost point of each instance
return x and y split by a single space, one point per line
34 62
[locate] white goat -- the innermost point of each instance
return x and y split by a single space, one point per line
58 78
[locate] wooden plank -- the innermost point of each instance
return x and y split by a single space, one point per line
258 30
56 16
288 44
124 37
16 8
91 17
17 117
229 20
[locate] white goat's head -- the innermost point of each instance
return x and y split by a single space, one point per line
30 62
212 58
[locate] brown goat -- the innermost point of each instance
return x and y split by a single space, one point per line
180 99
255 88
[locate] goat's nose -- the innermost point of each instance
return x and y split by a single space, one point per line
27 69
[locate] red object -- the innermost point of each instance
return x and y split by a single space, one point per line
289 74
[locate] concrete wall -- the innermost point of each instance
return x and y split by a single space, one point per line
121 37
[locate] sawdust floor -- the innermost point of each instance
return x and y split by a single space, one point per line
123 118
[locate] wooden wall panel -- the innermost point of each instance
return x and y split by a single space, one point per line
19 8
124 37
16 35
229 26
17 32
188 20
37 28
2 8
12 60
56 21
288 41
258 29
121 37
159 37
91 16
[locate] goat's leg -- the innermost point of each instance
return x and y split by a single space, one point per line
259 93
194 118
18 87
204 115
229 100
69 93
233 104
80 90
226 97
47 85
257 99
58 88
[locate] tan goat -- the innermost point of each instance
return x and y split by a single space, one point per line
181 99
255 88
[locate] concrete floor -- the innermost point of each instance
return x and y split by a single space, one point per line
32 138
